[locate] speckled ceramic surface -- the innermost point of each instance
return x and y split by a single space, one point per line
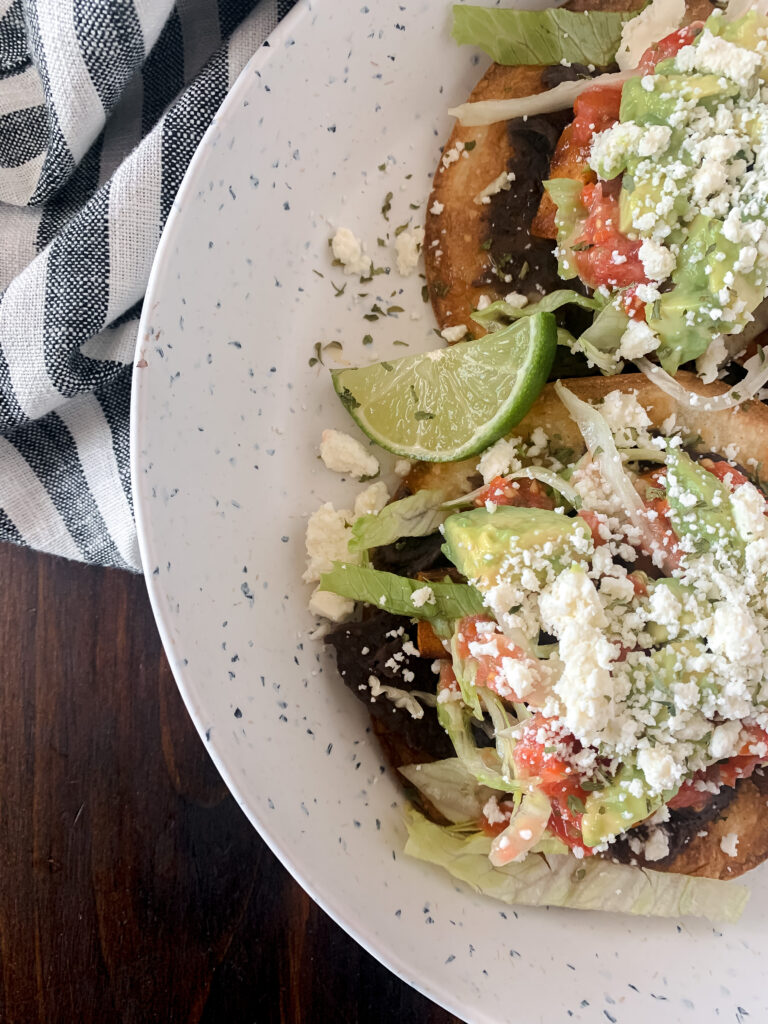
227 417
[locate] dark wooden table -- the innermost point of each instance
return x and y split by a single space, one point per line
133 887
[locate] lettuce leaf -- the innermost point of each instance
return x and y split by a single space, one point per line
394 593
415 516
540 37
563 881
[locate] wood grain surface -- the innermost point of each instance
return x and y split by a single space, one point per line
132 887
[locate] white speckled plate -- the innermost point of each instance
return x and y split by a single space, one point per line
227 416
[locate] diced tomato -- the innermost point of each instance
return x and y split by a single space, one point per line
725 472
490 660
601 244
659 527
566 827
470 630
669 46
447 680
727 773
744 763
594 521
523 493
689 796
638 582
595 110
538 754
633 305
495 828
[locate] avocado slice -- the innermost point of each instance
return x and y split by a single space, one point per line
483 545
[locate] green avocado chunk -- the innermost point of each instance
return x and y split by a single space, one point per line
681 317
700 506
614 809
656 107
497 547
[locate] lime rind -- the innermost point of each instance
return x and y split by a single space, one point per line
452 403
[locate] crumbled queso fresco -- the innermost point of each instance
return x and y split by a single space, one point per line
696 187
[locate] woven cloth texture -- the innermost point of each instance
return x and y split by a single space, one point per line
102 104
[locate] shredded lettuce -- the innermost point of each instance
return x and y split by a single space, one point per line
600 342
551 480
482 763
503 723
498 314
415 516
562 97
465 670
450 788
395 594
540 37
602 447
564 881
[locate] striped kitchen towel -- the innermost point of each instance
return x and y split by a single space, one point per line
102 103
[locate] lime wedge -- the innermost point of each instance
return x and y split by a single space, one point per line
446 405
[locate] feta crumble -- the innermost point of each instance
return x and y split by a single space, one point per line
729 844
453 334
408 246
344 454
350 252
424 595
637 340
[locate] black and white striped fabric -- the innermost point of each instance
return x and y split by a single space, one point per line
102 104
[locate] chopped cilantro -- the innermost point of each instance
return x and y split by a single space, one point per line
318 356
348 400
386 206
575 804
